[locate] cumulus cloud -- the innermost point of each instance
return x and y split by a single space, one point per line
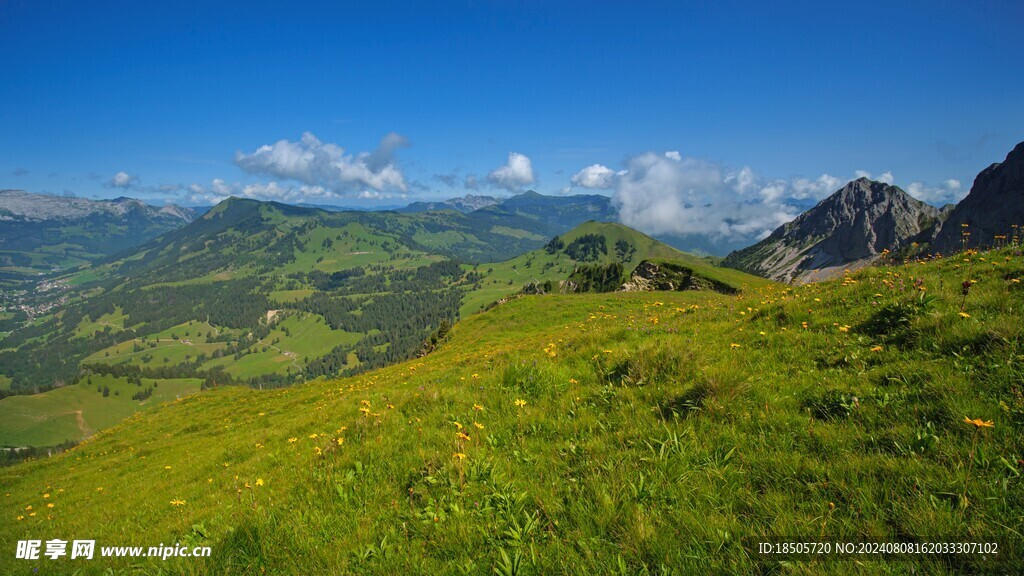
885 177
666 194
122 180
326 165
674 155
594 176
515 174
948 193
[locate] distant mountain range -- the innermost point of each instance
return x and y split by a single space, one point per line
40 233
268 294
850 228
463 204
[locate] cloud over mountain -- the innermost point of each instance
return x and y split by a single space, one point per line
218 190
514 175
122 180
594 176
668 193
950 192
672 194
323 164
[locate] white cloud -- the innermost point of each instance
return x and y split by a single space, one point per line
743 181
594 176
824 185
518 172
673 155
671 194
219 190
323 164
885 177
660 194
122 180
949 192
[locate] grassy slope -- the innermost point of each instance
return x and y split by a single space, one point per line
539 266
657 431
52 418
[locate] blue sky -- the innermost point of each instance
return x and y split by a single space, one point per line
746 101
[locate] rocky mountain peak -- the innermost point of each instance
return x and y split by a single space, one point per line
854 225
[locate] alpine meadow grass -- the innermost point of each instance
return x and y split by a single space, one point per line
623 433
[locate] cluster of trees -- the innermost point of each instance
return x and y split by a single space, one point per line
554 245
624 250
323 281
587 248
597 278
400 322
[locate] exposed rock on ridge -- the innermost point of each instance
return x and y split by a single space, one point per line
994 205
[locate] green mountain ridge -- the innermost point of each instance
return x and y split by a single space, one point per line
268 294
555 265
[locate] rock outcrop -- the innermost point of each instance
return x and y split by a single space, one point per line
994 206
649 276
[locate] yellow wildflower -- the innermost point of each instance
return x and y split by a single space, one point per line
979 422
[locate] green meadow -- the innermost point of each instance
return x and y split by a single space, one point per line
620 433
75 412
